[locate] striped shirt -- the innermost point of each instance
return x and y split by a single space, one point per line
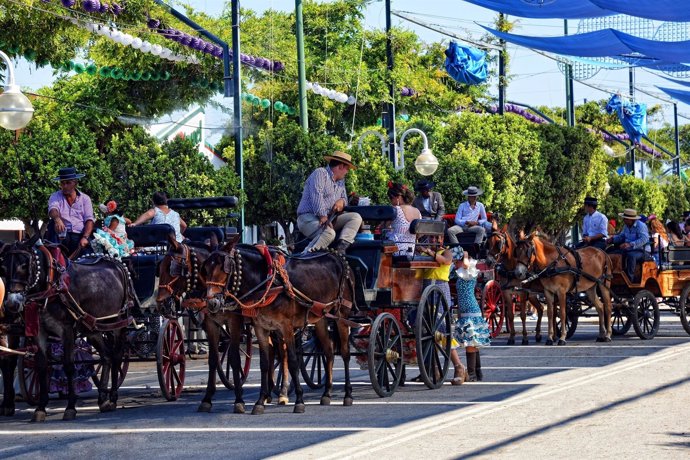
466 212
321 192
594 224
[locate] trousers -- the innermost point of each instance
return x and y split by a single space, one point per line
478 230
346 226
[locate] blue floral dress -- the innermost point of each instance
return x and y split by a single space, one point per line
471 329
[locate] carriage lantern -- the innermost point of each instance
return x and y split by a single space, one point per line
16 110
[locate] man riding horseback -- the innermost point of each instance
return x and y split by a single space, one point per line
324 195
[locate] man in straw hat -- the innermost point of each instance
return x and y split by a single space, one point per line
323 197
470 217
632 241
71 212
430 204
594 226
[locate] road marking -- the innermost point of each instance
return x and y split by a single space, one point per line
196 430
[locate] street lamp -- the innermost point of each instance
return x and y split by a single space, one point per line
426 163
15 108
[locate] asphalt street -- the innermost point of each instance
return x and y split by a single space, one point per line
583 400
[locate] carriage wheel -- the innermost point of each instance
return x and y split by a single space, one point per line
224 368
493 307
385 355
29 385
433 337
620 320
98 369
170 359
313 362
572 316
685 308
645 315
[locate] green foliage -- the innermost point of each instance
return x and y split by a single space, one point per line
633 192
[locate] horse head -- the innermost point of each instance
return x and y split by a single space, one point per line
525 254
176 274
497 245
20 265
222 273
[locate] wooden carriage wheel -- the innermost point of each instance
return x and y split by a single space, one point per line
29 386
313 362
493 307
98 369
645 315
385 355
433 337
170 359
685 308
224 368
620 320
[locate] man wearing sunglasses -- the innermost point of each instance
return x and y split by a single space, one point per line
71 212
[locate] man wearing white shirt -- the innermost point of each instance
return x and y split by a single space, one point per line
471 217
594 226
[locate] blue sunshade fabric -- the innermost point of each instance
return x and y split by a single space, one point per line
661 10
602 43
633 116
677 82
465 64
682 96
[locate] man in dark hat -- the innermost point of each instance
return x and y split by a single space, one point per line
430 204
71 212
594 226
470 217
632 242
324 196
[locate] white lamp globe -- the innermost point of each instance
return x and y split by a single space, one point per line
426 163
16 110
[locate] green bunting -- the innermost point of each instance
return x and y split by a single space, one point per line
278 106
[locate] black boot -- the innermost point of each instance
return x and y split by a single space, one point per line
480 375
471 365
342 247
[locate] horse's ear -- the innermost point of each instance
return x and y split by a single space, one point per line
231 242
521 234
173 241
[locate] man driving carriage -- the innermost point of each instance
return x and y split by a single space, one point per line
594 226
471 217
632 241
324 197
71 212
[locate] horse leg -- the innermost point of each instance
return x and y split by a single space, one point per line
540 313
523 317
235 326
344 335
283 398
266 368
601 312
293 364
212 334
550 317
321 331
104 352
118 349
510 315
562 310
68 366
41 362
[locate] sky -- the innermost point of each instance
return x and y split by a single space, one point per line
536 80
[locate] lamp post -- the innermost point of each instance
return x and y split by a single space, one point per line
16 110
426 163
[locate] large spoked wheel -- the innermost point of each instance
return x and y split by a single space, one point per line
572 316
645 315
313 362
620 320
170 359
685 308
385 355
29 385
98 369
433 337
493 307
224 367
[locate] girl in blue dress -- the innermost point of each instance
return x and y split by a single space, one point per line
471 329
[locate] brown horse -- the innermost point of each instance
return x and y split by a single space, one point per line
283 298
500 247
561 271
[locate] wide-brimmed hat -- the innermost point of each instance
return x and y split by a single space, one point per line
341 157
472 191
591 201
629 214
68 174
423 184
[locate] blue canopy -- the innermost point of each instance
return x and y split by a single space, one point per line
682 96
602 43
677 82
633 116
465 64
661 10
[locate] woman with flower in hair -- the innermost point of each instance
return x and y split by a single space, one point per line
112 238
401 197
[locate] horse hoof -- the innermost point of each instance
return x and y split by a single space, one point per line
283 400
8 411
269 399
239 408
561 342
325 401
548 342
39 416
537 338
600 339
107 407
347 402
70 414
525 341
204 407
258 410
511 341
299 409
607 339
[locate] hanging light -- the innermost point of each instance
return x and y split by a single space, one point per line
16 110
426 163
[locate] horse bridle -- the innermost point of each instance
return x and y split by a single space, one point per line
34 270
502 245
232 266
184 266
530 253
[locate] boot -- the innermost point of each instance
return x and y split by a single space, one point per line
471 365
480 375
459 376
342 247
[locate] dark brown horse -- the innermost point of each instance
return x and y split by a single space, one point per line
561 271
283 298
500 247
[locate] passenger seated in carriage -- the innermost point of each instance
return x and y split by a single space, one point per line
470 217
162 214
632 242
658 237
675 234
112 238
401 197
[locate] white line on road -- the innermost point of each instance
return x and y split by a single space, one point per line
198 430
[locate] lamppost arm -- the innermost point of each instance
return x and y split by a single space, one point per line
384 147
402 145
9 81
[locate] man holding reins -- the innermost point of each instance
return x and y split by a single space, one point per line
71 212
594 226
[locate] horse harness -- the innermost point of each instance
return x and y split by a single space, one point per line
185 267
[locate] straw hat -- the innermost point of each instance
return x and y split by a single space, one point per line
341 157
629 214
472 191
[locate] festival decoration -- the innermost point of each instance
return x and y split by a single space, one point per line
405 91
331 94
279 106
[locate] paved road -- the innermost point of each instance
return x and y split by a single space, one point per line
584 400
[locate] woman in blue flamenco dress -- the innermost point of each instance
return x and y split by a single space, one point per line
471 330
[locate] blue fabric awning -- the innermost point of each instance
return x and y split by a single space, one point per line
466 64
661 10
602 43
677 82
633 116
682 96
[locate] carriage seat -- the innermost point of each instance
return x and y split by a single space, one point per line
150 243
364 257
678 258
423 229
204 234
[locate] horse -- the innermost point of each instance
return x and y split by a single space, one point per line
8 360
90 298
500 247
585 270
283 296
